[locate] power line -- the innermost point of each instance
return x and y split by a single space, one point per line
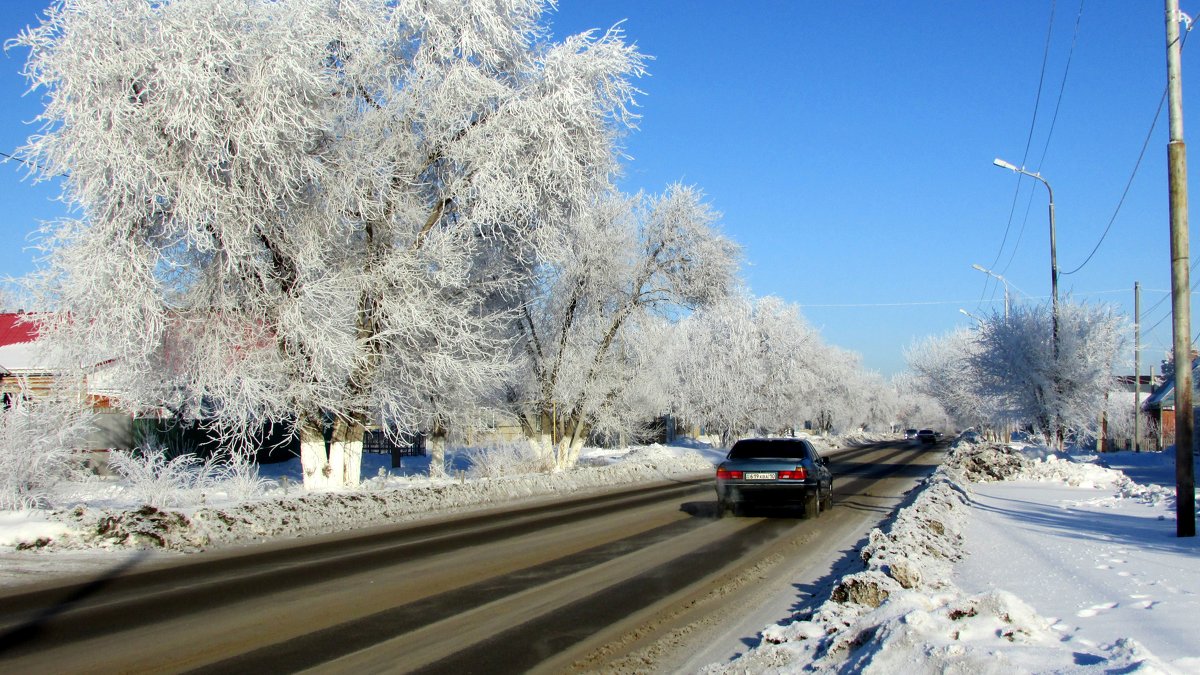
1029 142
1128 184
28 163
918 303
1062 88
1145 144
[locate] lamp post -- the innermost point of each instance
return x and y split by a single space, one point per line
1053 249
1053 270
1002 280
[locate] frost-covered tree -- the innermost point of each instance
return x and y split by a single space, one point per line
716 369
313 211
750 366
915 408
8 297
624 260
945 368
1016 363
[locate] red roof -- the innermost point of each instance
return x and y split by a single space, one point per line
15 331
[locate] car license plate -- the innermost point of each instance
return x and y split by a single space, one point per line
760 475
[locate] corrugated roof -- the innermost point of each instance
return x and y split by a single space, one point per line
13 330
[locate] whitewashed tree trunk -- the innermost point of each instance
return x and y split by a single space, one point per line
572 451
339 466
345 453
314 461
437 456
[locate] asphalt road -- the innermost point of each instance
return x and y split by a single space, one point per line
639 579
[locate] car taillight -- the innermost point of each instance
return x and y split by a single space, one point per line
726 474
798 474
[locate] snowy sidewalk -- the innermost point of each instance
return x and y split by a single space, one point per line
1102 567
1064 565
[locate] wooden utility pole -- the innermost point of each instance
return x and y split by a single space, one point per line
1181 297
1137 366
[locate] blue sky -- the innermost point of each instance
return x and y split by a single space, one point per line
849 146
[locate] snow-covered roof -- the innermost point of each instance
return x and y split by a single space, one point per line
1164 395
20 358
21 352
16 329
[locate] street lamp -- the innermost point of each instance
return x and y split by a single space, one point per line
971 315
1053 272
1053 254
1002 280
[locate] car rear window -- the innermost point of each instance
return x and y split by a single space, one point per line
768 449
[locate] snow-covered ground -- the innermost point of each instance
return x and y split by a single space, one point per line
1009 561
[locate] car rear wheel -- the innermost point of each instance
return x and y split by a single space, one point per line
812 504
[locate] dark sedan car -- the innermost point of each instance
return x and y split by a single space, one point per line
927 436
785 472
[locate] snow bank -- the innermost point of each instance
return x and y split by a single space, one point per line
378 502
904 613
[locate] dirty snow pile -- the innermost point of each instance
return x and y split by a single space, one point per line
928 600
103 520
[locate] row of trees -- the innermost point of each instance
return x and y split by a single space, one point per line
337 214
1013 369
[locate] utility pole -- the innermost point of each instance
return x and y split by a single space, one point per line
1137 366
1181 300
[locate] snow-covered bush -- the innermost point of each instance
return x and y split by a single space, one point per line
37 438
505 459
159 477
238 477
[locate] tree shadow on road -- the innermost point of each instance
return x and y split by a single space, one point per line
35 626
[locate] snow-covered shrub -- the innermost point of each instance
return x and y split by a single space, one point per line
158 477
505 459
36 442
239 478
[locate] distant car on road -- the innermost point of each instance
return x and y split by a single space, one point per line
785 472
927 436
910 434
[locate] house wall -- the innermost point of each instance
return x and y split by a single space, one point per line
36 385
1166 435
113 430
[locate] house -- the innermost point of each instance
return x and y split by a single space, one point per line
1160 406
1127 394
29 370
18 370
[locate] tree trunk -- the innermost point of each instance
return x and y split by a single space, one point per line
345 452
569 446
437 455
336 465
314 460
